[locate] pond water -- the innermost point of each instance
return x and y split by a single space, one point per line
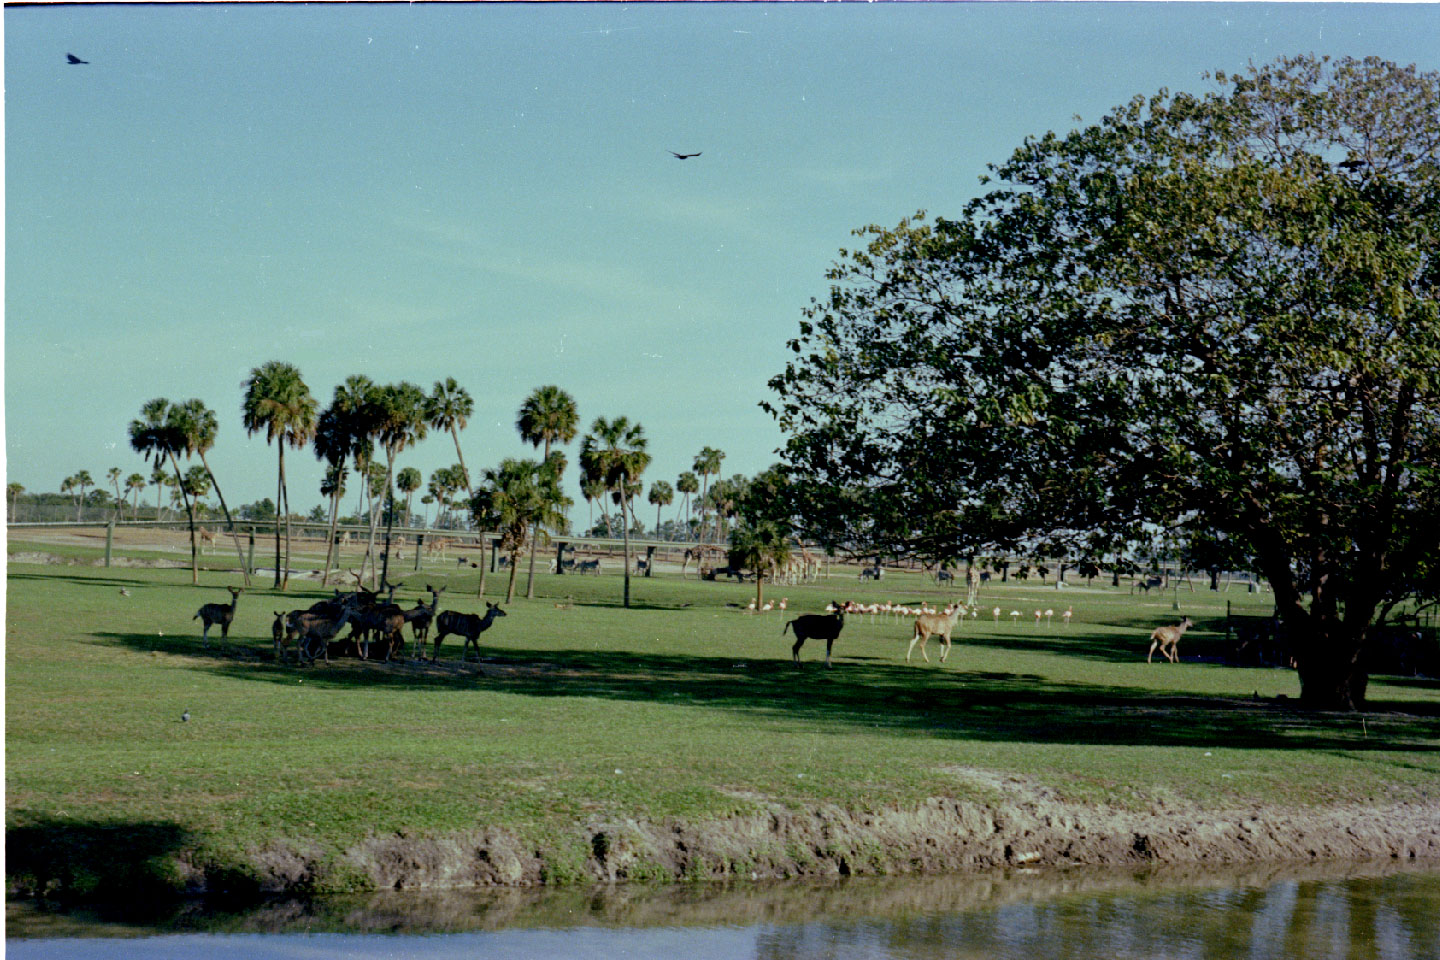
1371 911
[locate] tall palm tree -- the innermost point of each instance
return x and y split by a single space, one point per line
687 484
135 483
707 461
661 495
158 476
517 497
351 404
68 485
449 409
400 413
278 402
617 450
592 489
114 476
200 428
594 486
82 480
160 434
547 416
407 481
333 445
14 489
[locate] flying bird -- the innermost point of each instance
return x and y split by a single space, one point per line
684 156
71 58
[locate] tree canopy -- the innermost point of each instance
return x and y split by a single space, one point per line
1217 311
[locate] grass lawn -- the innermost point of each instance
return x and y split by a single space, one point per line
682 707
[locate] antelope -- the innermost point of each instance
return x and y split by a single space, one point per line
221 613
1168 639
467 625
308 627
421 617
814 626
929 625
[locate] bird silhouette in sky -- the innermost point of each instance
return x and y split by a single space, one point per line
683 156
71 58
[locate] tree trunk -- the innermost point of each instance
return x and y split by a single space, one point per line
514 567
1331 675
534 540
389 516
229 523
330 544
279 499
285 493
190 512
625 532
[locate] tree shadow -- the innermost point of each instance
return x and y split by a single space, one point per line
86 859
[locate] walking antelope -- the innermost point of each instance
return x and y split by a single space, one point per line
1168 639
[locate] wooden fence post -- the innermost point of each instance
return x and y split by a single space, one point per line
109 540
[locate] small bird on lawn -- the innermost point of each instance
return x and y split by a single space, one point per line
124 592
71 58
684 156
185 717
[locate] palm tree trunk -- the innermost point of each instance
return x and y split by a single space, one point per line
190 511
625 532
285 492
534 538
229 523
385 494
330 544
514 565
470 491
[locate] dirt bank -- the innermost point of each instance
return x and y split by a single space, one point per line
1028 828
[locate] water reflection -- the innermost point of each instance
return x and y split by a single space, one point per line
1378 911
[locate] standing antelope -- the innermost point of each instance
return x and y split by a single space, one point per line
813 626
1167 639
421 617
221 613
929 625
467 625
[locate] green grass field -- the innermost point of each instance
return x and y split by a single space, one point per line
682 707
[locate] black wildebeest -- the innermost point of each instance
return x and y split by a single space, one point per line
815 626
221 613
467 625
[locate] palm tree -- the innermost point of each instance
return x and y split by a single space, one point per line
135 483
592 490
114 476
426 501
14 489
760 547
449 408
68 485
594 485
407 481
158 476
333 445
616 451
661 495
398 414
278 402
547 416
351 404
707 461
200 426
160 433
82 480
518 497
687 484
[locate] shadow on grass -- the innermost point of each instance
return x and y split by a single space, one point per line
863 693
85 859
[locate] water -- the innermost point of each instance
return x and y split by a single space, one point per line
1351 911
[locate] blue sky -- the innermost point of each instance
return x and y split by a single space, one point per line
484 192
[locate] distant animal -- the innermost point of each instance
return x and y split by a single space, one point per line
221 613
683 156
185 717
72 59
588 566
816 626
124 592
1148 584
467 625
933 625
1168 639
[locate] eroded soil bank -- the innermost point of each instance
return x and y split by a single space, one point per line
1029 827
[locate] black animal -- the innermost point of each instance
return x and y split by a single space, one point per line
467 625
221 613
815 626
72 59
421 617
683 156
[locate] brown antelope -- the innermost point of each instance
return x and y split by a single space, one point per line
421 617
314 631
221 613
1167 639
814 626
467 625
929 625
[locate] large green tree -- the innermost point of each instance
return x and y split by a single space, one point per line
160 434
448 408
616 451
547 416
277 401
398 414
520 499
1216 310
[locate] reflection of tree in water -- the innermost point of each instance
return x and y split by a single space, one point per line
1358 919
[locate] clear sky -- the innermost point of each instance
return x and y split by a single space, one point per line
485 192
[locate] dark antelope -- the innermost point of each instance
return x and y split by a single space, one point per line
467 625
815 626
221 613
420 619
